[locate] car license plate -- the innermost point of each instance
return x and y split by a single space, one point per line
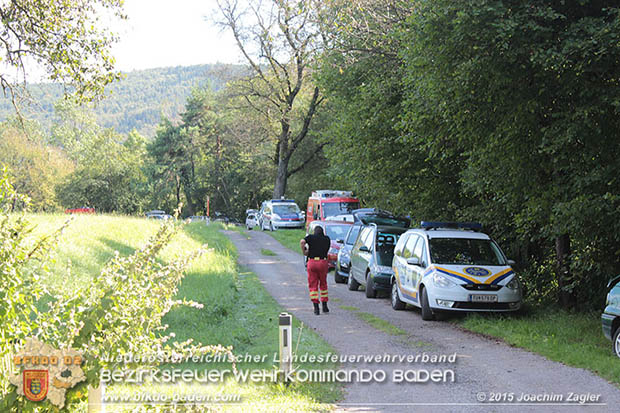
483 298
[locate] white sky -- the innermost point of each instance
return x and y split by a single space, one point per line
162 33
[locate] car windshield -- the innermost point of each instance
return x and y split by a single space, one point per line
352 235
336 232
385 220
386 241
463 251
336 208
251 216
285 209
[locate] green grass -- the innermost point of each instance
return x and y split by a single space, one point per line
267 252
237 311
375 322
574 339
381 324
289 238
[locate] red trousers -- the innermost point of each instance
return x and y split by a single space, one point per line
317 279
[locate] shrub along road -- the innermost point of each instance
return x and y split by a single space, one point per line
485 369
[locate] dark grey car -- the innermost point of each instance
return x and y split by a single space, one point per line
343 263
371 258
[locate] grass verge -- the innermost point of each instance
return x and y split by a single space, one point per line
289 238
237 311
267 252
574 339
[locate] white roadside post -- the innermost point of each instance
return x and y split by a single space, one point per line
286 339
95 399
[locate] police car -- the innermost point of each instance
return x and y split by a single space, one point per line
280 213
452 266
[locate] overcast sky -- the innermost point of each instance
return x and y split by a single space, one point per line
162 33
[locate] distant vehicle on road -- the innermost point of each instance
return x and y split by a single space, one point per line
82 210
611 315
452 266
327 203
197 218
157 214
251 220
280 213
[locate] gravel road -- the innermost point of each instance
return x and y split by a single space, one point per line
488 375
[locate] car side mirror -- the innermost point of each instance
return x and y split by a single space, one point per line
339 241
364 248
511 262
413 261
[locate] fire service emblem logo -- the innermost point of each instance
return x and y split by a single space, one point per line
46 373
35 384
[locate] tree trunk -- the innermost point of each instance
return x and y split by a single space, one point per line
562 250
281 177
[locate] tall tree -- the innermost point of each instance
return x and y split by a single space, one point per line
63 37
279 39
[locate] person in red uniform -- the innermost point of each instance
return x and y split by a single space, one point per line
316 246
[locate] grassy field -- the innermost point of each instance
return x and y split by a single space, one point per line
574 339
237 311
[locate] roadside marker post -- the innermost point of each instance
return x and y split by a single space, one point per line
285 322
95 399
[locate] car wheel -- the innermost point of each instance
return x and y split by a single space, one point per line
427 313
396 303
371 292
617 342
352 284
339 278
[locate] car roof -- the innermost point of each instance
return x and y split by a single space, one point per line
332 222
449 233
389 228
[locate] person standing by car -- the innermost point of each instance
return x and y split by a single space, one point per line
316 247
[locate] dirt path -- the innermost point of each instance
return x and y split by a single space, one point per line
484 368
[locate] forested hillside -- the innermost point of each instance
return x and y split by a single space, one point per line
138 101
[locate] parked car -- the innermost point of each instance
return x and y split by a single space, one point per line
251 221
343 261
371 258
362 217
336 231
157 214
280 213
197 218
452 266
611 315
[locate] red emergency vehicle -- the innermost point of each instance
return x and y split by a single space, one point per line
328 203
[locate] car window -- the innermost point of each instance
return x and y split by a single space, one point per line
408 250
464 251
363 235
398 251
419 252
336 208
385 247
336 232
285 209
370 239
352 234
